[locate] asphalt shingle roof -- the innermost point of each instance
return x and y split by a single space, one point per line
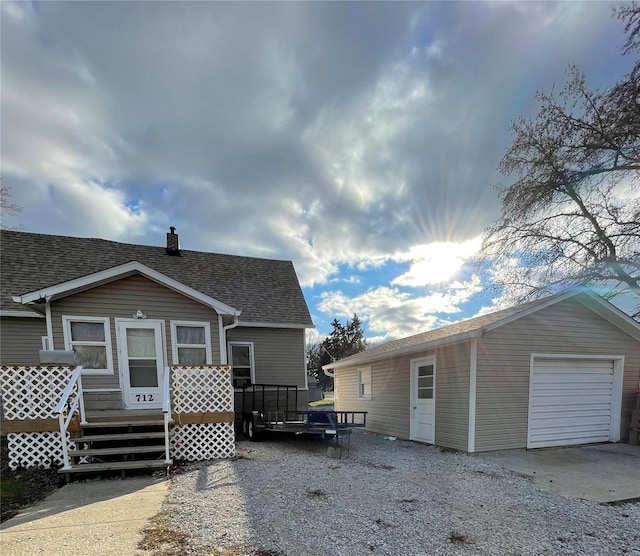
266 290
462 327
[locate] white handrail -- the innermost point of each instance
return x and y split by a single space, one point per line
166 410
75 379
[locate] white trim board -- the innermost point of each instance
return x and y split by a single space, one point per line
473 377
121 271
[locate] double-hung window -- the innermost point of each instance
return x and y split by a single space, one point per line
191 342
241 357
90 339
364 383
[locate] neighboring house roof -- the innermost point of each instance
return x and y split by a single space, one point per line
478 326
266 291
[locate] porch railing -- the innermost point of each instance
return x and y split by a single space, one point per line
71 401
166 412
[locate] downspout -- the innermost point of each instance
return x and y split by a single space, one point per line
223 346
333 360
47 312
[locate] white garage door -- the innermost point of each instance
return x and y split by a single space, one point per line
571 402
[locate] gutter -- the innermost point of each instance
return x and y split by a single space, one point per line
478 333
235 322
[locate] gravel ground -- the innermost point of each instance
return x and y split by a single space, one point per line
284 496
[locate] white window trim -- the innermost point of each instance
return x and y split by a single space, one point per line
66 330
359 377
194 324
45 342
252 360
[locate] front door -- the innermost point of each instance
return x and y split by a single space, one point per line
422 423
141 363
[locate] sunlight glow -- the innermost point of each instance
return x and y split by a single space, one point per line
435 263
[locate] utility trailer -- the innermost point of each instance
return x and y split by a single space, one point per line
280 413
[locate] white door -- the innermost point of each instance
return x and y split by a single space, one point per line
571 402
141 358
422 424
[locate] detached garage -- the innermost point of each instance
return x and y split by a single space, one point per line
559 371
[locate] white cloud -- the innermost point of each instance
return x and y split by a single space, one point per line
272 130
352 279
392 313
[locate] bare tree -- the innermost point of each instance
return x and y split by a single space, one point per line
572 216
7 208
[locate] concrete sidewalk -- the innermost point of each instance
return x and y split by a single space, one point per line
89 517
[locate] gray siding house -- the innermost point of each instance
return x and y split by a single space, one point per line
559 371
130 310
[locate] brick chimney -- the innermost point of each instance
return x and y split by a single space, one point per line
172 242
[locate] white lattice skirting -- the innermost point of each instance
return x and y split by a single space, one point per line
204 441
35 449
202 390
32 391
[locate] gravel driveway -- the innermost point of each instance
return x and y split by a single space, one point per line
284 496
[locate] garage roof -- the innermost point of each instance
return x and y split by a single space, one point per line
478 326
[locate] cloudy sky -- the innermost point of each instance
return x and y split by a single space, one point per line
358 140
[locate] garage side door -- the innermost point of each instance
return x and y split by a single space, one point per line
570 402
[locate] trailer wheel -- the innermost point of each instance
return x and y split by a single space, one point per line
252 434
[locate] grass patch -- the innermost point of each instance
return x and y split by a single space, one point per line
159 538
12 487
23 487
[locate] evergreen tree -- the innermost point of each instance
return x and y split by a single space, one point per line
340 343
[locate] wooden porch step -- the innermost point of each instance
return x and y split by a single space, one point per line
125 450
115 424
123 436
115 466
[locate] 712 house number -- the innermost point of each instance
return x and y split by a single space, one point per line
144 397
